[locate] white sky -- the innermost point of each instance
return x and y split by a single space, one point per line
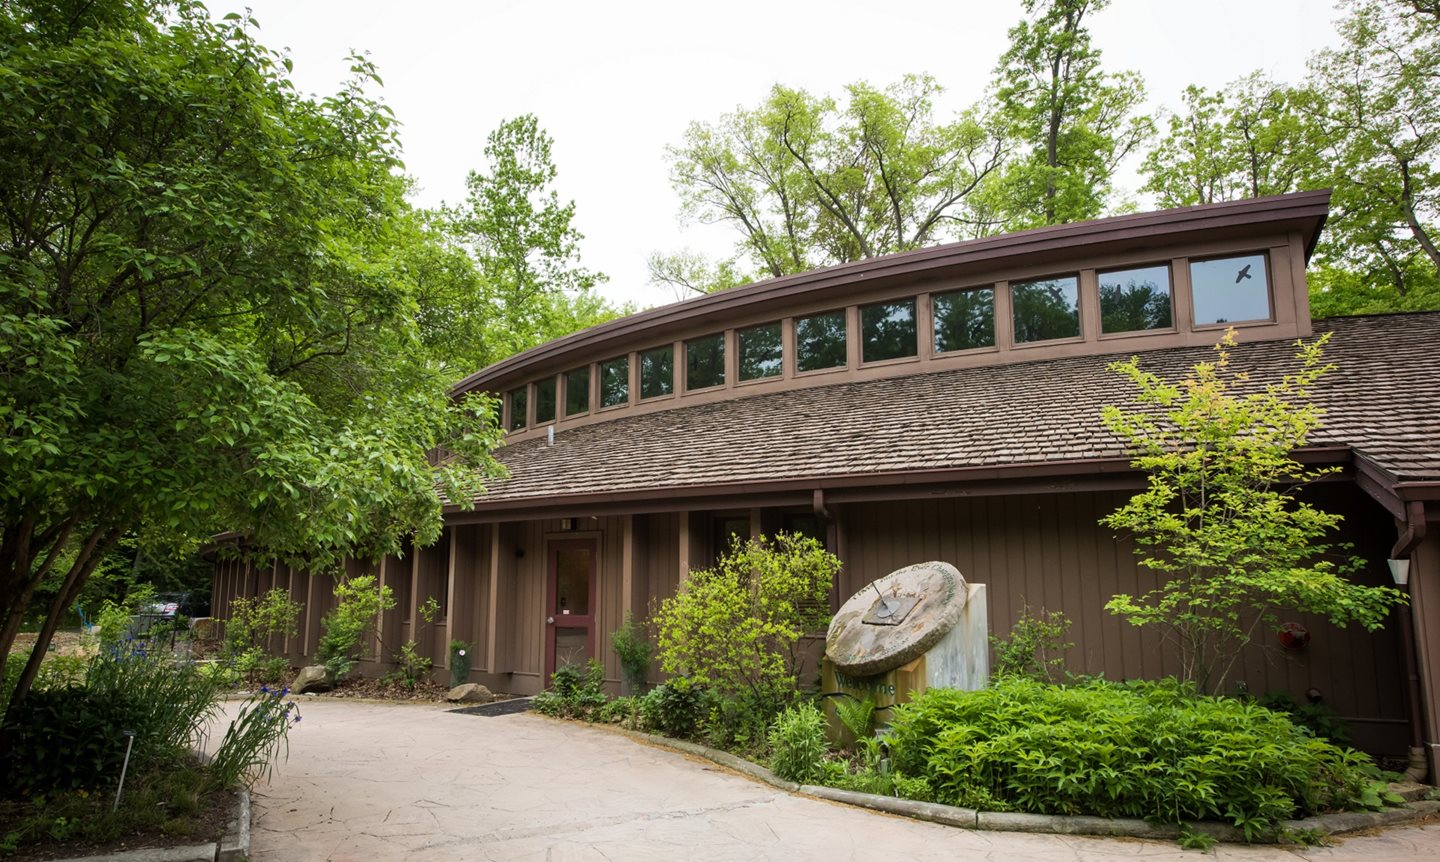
615 83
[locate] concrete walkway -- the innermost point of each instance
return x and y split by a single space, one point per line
375 782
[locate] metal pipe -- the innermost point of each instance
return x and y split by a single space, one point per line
124 767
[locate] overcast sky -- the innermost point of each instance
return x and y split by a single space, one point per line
615 83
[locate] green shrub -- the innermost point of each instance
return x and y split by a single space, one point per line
253 622
64 739
797 743
61 671
673 708
1036 647
575 692
634 651
343 630
116 620
1143 749
174 700
411 666
621 710
459 663
736 628
1318 718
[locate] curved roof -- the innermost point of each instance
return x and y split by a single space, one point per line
1305 211
1032 419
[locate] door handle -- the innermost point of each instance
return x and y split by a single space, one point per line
549 621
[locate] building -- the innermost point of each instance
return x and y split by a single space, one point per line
937 404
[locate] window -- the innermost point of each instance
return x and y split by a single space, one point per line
1132 300
760 351
964 320
577 391
804 524
705 362
517 409
730 530
820 342
545 401
1045 309
887 331
1230 289
657 372
615 382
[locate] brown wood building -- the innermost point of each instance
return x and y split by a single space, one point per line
937 404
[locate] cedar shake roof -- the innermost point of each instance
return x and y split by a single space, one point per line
1382 401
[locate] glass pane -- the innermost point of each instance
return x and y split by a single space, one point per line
517 409
1230 289
820 342
804 525
705 362
572 647
657 372
545 401
760 351
887 330
730 531
964 320
577 391
572 581
1135 299
615 382
1046 309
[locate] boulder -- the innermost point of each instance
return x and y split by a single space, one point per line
470 692
312 679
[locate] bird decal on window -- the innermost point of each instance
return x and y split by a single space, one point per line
1243 274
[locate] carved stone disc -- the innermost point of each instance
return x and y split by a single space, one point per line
864 638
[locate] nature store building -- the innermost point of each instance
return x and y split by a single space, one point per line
937 404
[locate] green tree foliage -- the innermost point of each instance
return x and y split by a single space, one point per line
1072 121
1246 141
1220 520
1036 647
1373 99
527 285
202 327
736 628
807 181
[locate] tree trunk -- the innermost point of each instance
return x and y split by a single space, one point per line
1407 201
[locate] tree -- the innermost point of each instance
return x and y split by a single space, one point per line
1221 519
1073 122
524 246
1246 141
202 325
808 182
1373 100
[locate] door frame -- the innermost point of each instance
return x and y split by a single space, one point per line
552 574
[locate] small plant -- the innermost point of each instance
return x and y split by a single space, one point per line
259 731
1320 719
634 651
413 666
673 708
254 622
345 629
857 715
797 742
1192 840
1036 647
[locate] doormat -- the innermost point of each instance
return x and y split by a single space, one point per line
500 707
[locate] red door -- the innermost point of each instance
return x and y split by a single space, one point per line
570 604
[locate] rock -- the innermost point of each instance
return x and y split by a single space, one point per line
470 692
895 619
312 679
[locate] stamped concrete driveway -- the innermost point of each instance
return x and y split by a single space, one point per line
376 782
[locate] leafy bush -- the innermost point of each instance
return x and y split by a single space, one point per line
173 700
634 652
736 628
621 710
253 622
1036 647
64 739
574 693
1143 749
1318 718
797 743
343 629
673 708
116 620
254 738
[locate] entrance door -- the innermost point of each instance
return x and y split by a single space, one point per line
570 604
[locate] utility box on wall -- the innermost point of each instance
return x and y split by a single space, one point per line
916 628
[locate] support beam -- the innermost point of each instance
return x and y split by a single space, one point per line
450 578
492 610
378 644
684 546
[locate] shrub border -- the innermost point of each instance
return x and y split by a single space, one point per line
1057 824
234 846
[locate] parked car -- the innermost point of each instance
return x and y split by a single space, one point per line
168 606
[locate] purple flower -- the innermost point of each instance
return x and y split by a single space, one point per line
264 689
297 719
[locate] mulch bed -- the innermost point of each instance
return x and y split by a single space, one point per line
374 689
207 825
510 706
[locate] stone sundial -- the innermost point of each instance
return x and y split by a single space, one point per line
896 619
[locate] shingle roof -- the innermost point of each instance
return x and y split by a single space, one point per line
1383 400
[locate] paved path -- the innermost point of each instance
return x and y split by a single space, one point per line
376 782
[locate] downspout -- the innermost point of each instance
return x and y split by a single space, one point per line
1409 540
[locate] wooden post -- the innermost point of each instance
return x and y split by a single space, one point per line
684 547
492 621
449 601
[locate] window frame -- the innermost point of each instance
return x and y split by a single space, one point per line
1169 266
739 358
914 320
844 315
641 397
687 388
992 347
524 391
589 372
1263 254
535 397
600 404
1016 343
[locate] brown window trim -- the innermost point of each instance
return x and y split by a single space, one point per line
1238 324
